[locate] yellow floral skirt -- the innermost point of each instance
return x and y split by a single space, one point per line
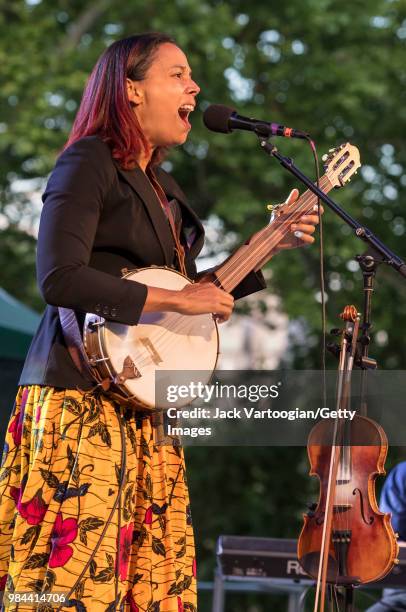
93 514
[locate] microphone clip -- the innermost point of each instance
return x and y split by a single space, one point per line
266 144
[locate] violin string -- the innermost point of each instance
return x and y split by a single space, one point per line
344 523
335 593
330 484
352 358
348 349
324 548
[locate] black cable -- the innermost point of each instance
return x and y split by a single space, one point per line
335 598
322 283
302 598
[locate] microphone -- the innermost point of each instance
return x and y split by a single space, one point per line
220 118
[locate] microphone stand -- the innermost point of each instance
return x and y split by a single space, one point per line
376 254
361 231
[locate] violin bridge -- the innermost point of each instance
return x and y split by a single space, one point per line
341 540
340 508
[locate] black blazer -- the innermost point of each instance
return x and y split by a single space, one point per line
98 219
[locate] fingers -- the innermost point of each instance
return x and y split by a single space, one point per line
303 231
221 318
305 238
223 312
316 207
303 227
292 197
218 301
311 219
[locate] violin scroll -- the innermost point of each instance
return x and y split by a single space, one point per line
350 314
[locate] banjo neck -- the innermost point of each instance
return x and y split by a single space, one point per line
260 248
128 357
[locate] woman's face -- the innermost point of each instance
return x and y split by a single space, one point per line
164 99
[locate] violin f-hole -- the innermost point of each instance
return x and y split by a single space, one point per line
361 501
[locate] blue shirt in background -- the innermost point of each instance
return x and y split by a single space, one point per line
393 498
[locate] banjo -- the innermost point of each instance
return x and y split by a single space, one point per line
132 357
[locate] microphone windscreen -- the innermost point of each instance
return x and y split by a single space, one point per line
216 118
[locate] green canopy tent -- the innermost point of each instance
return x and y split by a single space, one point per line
18 324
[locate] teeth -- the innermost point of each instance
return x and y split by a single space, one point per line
187 107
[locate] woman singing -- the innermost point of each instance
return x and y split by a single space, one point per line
92 511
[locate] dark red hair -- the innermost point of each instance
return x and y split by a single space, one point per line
105 109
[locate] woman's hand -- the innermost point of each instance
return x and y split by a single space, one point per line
205 297
197 298
301 232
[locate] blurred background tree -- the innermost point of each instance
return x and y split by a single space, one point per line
337 71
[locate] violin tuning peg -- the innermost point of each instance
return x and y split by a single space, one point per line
396 535
396 561
311 510
269 207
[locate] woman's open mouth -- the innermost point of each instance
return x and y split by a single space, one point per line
183 113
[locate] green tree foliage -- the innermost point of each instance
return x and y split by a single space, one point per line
17 254
334 69
336 72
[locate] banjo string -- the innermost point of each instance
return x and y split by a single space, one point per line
266 245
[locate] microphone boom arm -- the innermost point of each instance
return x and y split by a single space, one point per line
361 231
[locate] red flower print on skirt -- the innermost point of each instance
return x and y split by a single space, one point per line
33 511
63 533
126 536
148 516
3 581
130 599
15 494
16 425
38 413
16 429
180 605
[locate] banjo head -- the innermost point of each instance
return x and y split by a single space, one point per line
135 356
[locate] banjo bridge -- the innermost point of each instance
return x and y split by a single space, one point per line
156 358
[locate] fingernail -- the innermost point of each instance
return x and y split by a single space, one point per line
298 234
315 207
294 226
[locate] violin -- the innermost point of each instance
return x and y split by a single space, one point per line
345 539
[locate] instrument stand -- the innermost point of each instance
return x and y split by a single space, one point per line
349 598
376 254
369 262
339 595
